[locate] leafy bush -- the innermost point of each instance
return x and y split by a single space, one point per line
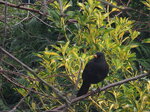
94 31
71 46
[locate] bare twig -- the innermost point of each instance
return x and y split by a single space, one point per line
122 9
19 74
24 4
18 104
107 3
44 7
5 20
13 81
99 90
42 21
21 7
56 91
24 19
128 2
7 63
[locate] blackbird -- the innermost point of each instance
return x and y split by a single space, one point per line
95 71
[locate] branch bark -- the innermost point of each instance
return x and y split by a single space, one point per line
21 7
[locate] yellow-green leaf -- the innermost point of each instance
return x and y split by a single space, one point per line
51 53
134 45
33 105
65 48
90 2
146 40
57 48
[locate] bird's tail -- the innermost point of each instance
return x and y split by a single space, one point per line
84 89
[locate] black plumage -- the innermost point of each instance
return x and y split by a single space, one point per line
95 71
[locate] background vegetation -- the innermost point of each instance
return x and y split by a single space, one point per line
56 38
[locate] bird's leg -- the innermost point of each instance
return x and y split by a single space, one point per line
93 90
98 87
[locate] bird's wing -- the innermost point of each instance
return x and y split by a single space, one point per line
88 70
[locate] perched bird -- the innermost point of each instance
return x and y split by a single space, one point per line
95 71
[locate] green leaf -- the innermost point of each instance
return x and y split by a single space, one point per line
57 48
90 2
66 6
147 3
51 53
82 6
134 45
33 105
134 34
146 40
65 47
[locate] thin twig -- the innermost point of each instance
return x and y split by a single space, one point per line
5 22
24 19
7 63
21 7
128 2
42 21
123 9
13 81
19 74
18 104
5 13
24 4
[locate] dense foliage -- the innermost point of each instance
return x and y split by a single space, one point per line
58 47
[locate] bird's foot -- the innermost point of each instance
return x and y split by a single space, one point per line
95 90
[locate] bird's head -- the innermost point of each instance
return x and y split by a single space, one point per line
99 55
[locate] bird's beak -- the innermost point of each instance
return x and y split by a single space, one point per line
95 56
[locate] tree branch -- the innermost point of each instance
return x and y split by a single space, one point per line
21 7
5 20
19 74
123 9
99 90
13 81
42 21
56 91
